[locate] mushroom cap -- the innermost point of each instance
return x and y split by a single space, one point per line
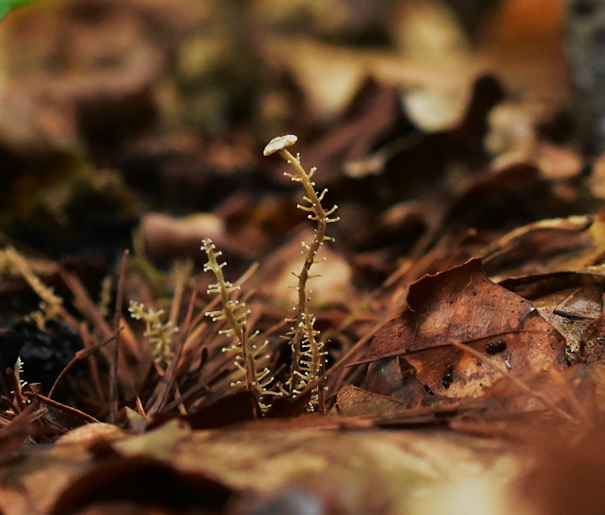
279 143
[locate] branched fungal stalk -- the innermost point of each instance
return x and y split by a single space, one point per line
308 356
158 332
249 356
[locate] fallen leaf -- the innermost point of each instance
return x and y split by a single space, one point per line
433 111
462 305
596 182
230 409
520 43
138 482
564 476
573 311
168 237
352 401
573 244
203 470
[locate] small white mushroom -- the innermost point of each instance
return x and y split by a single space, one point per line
279 143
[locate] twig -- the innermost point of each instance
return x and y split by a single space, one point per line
113 378
165 385
62 407
81 355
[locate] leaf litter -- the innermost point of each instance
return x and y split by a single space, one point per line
460 307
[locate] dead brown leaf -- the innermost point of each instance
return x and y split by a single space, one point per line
341 471
573 244
463 305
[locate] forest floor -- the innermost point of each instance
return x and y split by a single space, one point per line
190 326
